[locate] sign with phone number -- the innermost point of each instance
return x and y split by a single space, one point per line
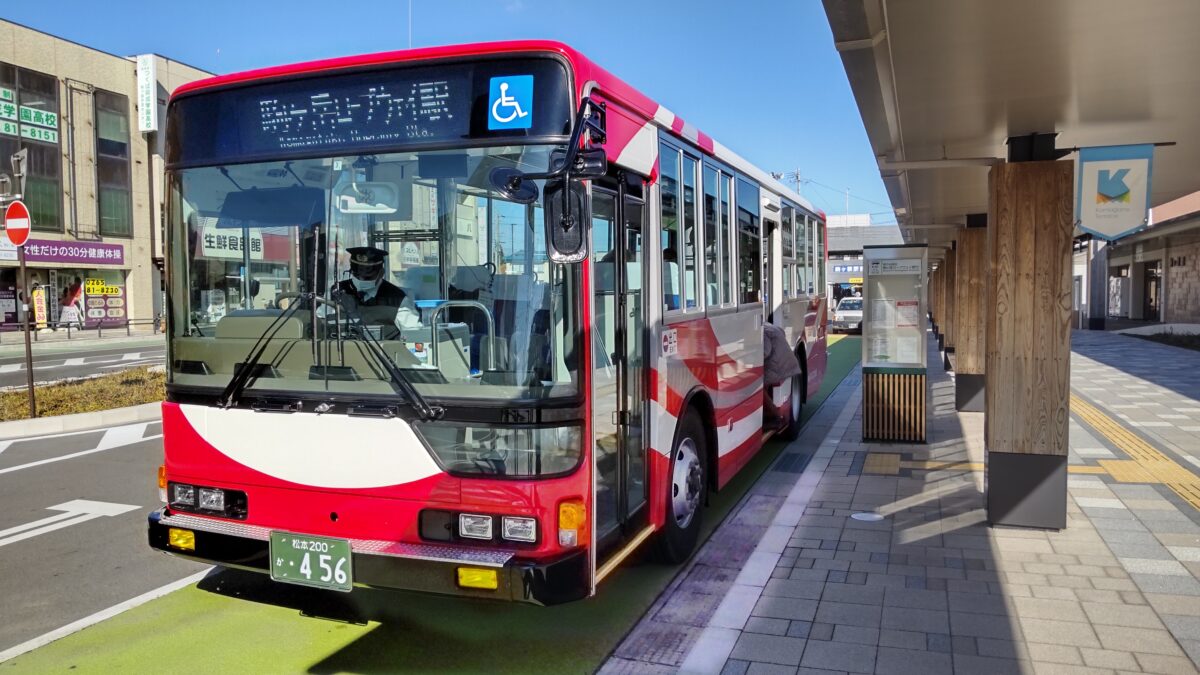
39 134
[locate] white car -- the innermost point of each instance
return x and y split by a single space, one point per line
847 316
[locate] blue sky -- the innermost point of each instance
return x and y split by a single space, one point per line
761 77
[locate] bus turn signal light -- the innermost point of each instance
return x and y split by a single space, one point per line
181 539
572 516
474 577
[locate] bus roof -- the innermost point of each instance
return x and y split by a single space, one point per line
589 76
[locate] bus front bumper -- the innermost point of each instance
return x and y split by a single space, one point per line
424 568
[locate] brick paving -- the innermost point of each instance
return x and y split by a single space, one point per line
791 583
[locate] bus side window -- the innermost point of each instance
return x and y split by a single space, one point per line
669 197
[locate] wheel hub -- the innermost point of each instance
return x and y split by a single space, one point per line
687 483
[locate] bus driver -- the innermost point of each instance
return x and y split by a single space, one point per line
373 296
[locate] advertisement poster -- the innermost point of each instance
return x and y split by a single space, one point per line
907 313
8 306
105 303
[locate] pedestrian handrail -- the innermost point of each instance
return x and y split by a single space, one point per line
74 331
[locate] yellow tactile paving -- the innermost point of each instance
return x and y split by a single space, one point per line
885 463
1127 471
1153 465
935 465
889 464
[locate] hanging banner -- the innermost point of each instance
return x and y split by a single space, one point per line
147 92
1113 197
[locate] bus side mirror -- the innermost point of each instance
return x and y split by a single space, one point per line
566 231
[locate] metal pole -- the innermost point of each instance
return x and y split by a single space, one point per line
28 347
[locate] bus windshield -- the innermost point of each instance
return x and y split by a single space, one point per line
409 249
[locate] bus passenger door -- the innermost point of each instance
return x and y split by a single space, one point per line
618 389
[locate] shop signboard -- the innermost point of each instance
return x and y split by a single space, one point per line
8 112
227 244
40 316
147 92
38 125
104 303
77 252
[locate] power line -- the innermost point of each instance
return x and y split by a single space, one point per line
852 195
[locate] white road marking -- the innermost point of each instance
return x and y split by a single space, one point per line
116 437
73 362
128 364
102 615
74 512
4 445
131 356
10 368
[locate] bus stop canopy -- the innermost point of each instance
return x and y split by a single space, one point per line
943 84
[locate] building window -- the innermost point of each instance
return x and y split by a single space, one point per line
29 120
750 259
112 165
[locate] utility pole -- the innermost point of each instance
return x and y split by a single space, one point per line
16 210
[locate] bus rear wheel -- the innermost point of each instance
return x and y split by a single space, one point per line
685 492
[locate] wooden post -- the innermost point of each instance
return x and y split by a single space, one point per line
1028 353
950 280
969 319
935 304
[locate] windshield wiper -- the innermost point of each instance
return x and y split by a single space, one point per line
415 399
242 376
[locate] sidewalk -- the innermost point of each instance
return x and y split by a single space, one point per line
792 582
13 344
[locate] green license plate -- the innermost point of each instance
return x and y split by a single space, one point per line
311 561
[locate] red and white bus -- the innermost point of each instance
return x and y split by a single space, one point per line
564 355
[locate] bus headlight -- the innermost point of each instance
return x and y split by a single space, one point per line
207 500
474 526
183 495
212 500
518 529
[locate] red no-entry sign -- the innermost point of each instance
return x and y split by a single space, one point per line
16 223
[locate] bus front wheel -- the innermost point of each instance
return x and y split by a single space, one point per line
685 492
798 388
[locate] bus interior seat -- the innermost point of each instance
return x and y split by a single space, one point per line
249 324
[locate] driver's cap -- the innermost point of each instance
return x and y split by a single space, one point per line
366 260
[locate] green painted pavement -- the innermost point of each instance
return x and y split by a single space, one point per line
242 622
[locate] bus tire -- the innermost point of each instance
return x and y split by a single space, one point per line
685 491
798 385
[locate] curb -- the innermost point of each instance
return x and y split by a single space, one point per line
64 424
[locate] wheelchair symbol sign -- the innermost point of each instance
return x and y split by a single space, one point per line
510 102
